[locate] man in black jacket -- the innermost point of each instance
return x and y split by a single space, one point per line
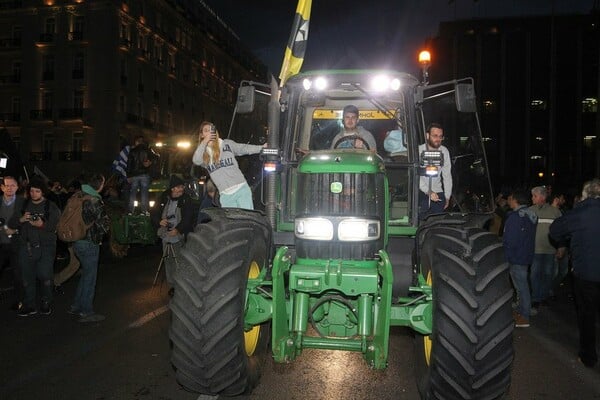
582 226
37 248
10 211
139 163
177 220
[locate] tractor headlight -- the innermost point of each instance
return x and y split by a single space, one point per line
314 228
356 229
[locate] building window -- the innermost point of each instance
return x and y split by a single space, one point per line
78 66
172 66
538 105
157 53
77 143
125 34
122 104
47 103
78 99
140 80
16 71
589 105
16 108
48 145
48 67
50 25
76 28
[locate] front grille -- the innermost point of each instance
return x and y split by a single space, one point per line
334 195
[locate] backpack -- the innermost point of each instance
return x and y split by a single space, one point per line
71 226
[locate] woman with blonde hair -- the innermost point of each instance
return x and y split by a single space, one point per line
218 157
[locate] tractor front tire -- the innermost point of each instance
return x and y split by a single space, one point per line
469 352
211 352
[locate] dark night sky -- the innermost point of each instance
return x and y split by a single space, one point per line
366 33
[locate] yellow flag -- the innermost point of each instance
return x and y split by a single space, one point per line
296 46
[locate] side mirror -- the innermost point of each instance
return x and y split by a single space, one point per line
465 98
245 100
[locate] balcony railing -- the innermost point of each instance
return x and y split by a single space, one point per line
10 117
70 155
10 43
40 115
46 37
4 79
11 5
40 156
71 113
77 74
76 35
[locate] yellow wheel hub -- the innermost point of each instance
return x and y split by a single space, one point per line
427 343
251 337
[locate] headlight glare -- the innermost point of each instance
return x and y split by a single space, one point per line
314 228
356 229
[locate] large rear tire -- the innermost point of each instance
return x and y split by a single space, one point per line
211 352
469 353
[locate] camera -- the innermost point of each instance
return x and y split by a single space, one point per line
36 216
171 219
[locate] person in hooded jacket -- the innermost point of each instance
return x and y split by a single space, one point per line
519 247
87 249
580 227
177 220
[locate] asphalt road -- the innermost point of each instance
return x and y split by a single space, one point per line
126 356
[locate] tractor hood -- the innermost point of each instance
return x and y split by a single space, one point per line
348 161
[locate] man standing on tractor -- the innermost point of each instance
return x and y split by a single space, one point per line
435 199
139 163
352 135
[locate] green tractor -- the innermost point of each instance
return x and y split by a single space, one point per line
340 255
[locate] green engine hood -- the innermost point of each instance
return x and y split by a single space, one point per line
341 161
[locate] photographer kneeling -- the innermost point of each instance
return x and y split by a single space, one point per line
177 220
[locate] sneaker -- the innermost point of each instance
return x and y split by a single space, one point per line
533 312
45 309
26 311
73 311
16 306
93 317
588 364
521 321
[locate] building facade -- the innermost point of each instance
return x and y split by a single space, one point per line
537 82
80 78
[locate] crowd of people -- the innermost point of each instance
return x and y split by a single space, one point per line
544 240
30 213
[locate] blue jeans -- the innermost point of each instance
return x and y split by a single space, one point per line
143 183
241 198
519 276
37 261
88 254
542 274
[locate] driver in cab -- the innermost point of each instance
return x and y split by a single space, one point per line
353 136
